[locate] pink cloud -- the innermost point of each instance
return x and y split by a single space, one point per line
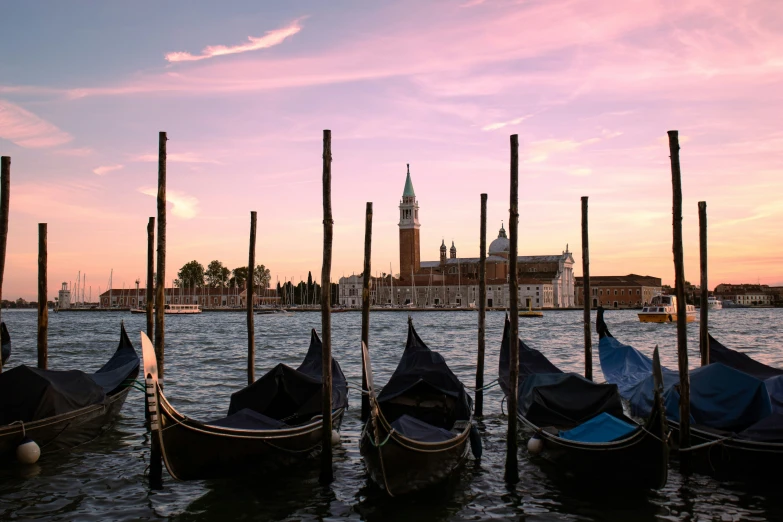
181 157
500 125
28 130
270 39
104 169
183 205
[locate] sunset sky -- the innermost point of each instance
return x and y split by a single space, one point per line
244 90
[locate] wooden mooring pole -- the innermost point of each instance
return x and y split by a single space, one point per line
251 332
327 474
479 408
704 339
366 303
682 324
5 200
150 276
512 465
156 464
43 307
586 293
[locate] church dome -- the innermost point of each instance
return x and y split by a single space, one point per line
499 246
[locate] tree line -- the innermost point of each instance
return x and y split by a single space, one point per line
217 275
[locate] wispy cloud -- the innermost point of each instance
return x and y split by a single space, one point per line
500 125
81 152
270 39
104 169
182 157
28 130
182 205
539 151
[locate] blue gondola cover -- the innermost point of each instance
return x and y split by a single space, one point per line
601 428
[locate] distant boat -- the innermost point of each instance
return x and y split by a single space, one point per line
714 304
530 312
139 311
181 309
663 309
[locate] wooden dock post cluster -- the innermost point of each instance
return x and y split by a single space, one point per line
586 290
366 305
5 200
327 474
512 466
679 282
251 331
479 405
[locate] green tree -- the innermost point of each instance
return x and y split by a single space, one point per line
262 276
239 277
191 275
216 274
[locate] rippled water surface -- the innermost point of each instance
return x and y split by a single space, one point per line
205 363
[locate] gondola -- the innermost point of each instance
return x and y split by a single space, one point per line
63 409
579 427
736 427
271 424
5 343
420 423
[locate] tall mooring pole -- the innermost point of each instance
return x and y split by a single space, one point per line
251 332
682 320
5 200
366 303
586 296
43 307
327 474
479 408
512 465
704 336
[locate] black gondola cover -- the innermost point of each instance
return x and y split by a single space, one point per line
123 364
283 391
421 366
549 397
740 361
531 361
5 343
28 394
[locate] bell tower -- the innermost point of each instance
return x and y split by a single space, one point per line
410 260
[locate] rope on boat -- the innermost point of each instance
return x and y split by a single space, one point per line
487 387
24 433
706 444
135 384
381 444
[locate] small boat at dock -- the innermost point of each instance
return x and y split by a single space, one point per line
420 424
272 425
61 409
530 312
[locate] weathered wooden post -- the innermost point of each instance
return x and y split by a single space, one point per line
150 276
479 408
5 200
586 293
160 282
366 303
512 466
682 324
251 332
704 339
327 475
156 464
43 308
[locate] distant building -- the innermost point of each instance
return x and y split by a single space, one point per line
64 298
206 297
630 291
746 294
548 281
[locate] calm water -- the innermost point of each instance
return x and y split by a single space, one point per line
205 363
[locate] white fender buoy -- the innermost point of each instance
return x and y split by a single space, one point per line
535 445
28 452
335 437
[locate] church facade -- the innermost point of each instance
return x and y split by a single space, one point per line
451 281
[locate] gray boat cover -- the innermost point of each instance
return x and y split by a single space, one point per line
416 429
247 419
5 343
